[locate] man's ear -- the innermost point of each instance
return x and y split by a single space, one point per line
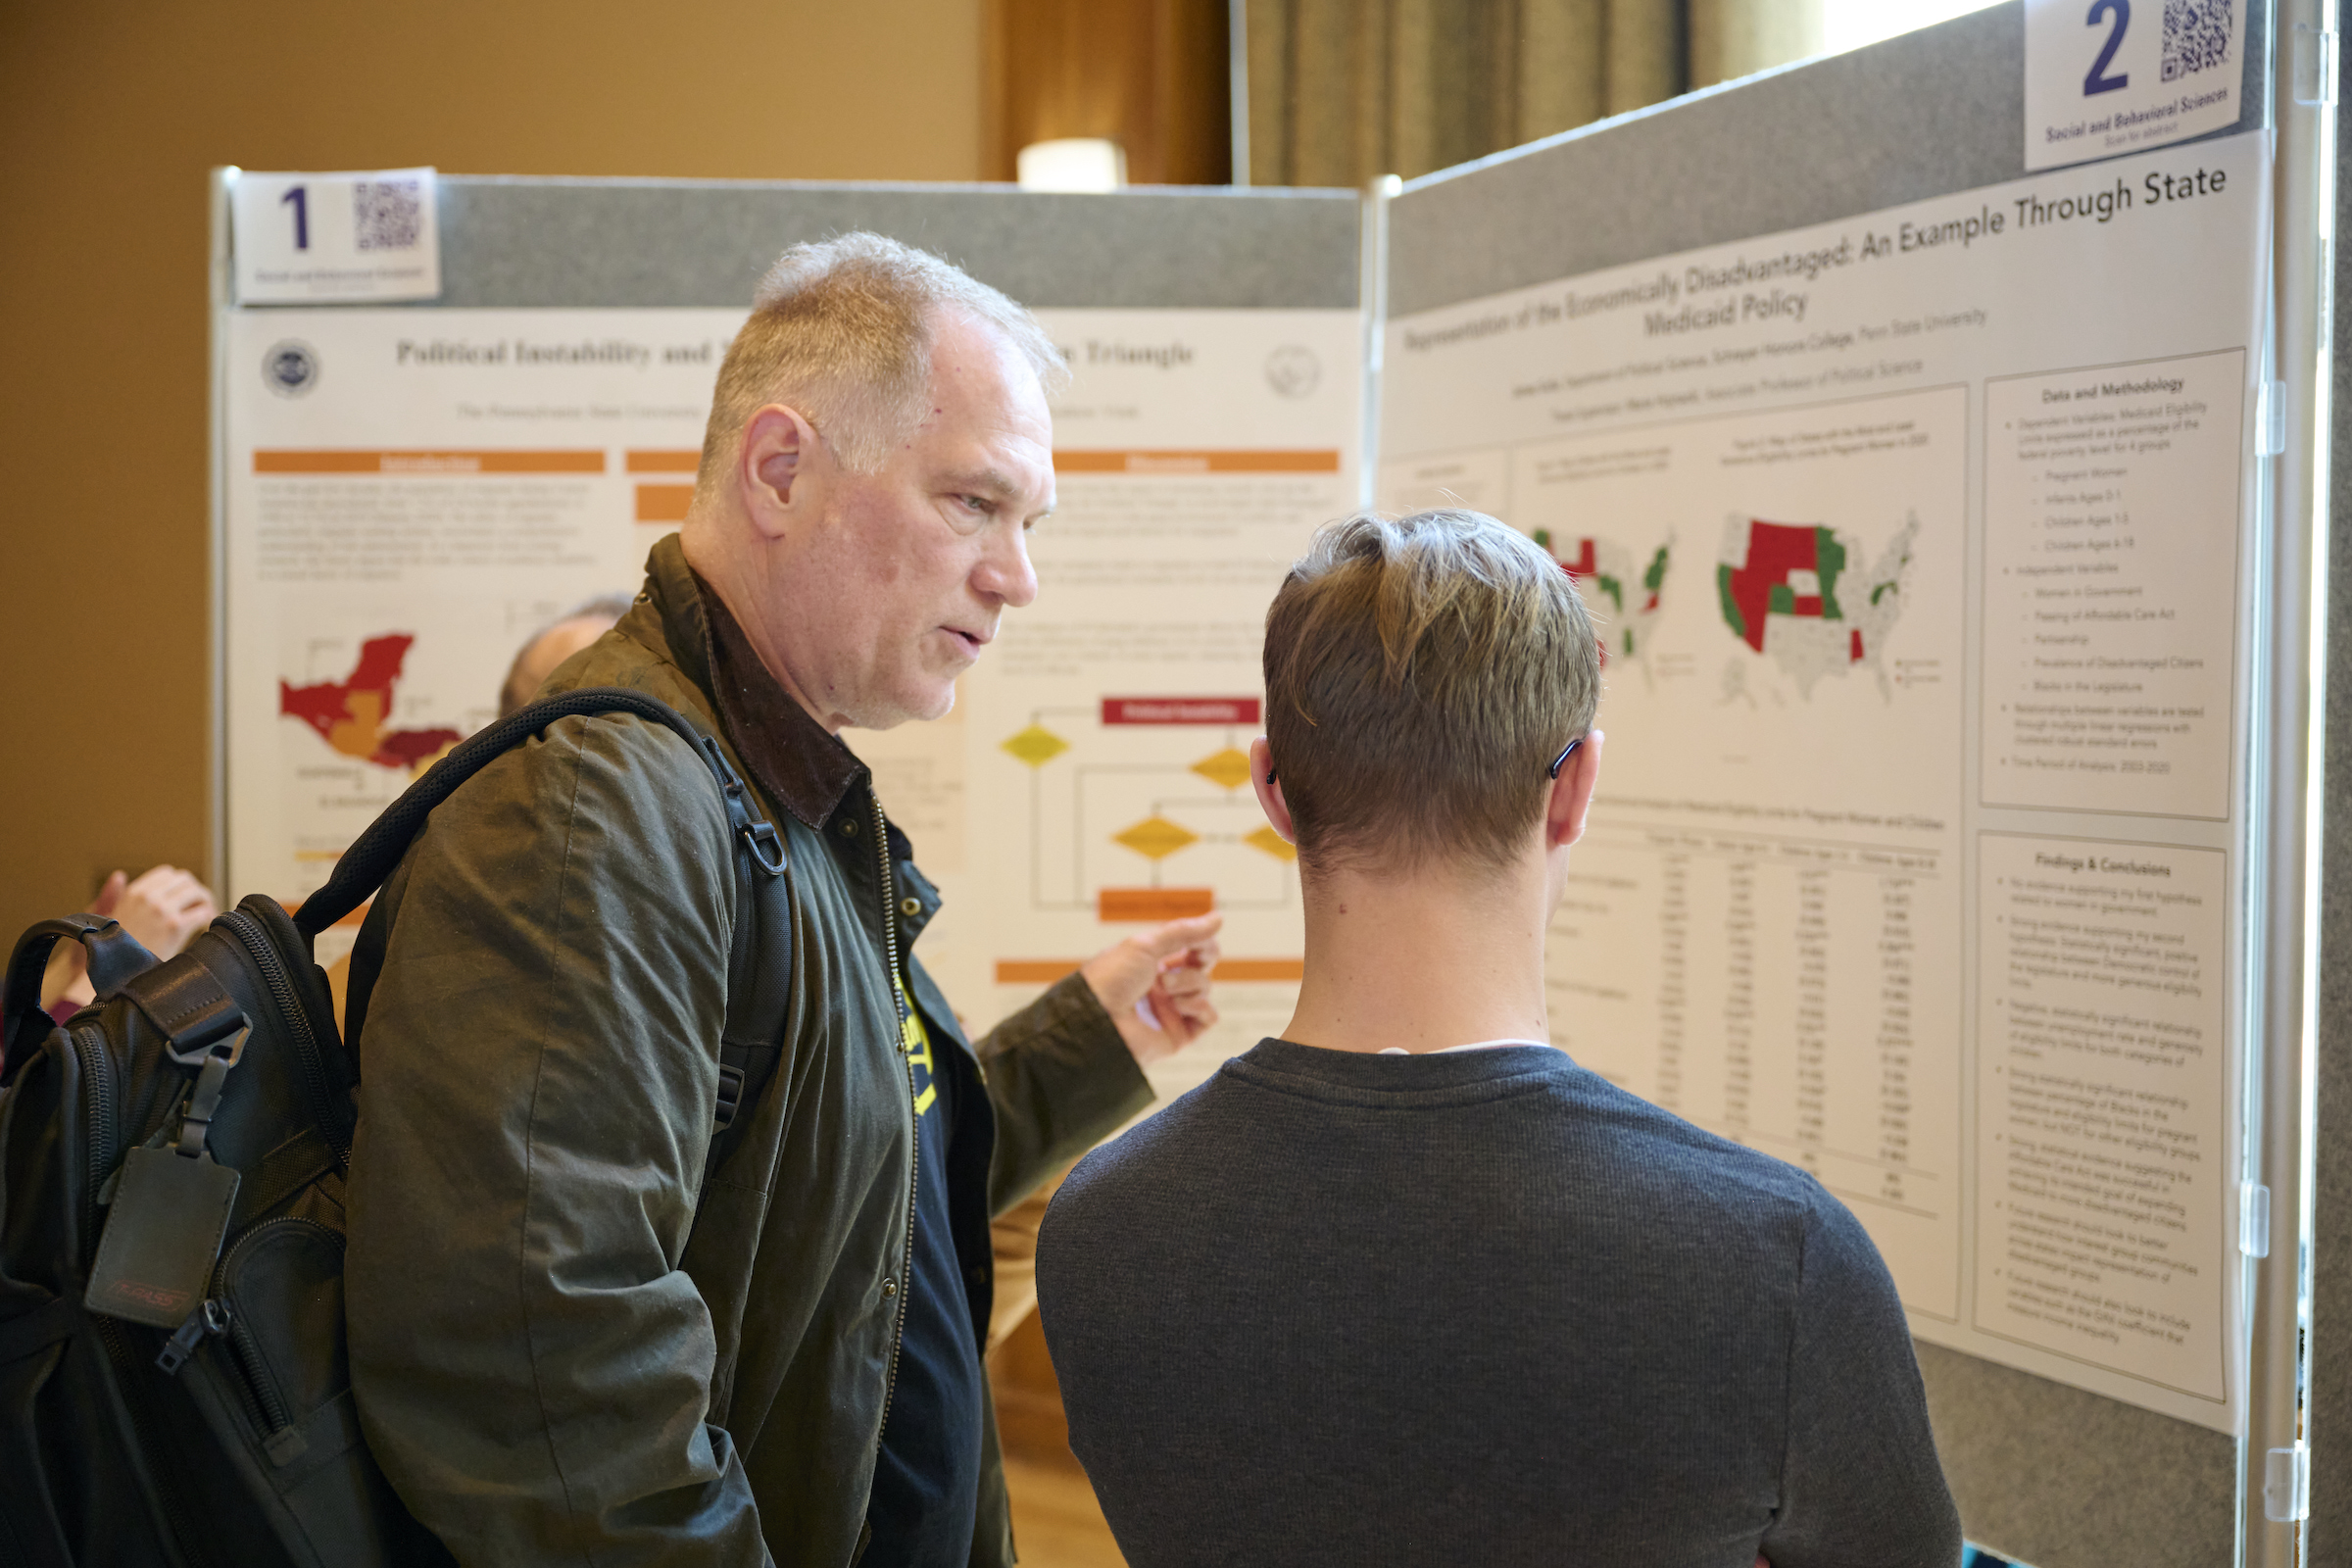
1269 789
773 469
1572 794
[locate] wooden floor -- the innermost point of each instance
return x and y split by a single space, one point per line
1055 1523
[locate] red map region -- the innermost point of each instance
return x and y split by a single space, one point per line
349 715
1774 551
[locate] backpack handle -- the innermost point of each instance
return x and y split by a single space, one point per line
374 855
114 956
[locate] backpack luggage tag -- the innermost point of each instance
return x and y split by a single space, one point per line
169 1212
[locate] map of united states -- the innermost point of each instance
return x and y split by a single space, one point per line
350 713
1798 594
1628 599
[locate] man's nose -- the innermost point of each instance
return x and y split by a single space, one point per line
1004 574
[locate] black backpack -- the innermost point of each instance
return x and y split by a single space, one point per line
172 1382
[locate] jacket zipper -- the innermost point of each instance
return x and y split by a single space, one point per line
898 1002
314 1071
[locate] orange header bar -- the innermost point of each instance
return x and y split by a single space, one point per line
1034 971
663 503
664 462
1197 461
343 461
1260 969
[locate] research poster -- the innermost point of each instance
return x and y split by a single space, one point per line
1918 544
412 494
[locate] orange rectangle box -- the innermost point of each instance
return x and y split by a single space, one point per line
663 502
664 462
427 463
1116 905
1032 971
1245 461
1260 970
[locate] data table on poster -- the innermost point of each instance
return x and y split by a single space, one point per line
1777 988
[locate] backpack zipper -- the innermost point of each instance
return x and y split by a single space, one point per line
898 1002
187 1531
98 1132
256 940
272 1404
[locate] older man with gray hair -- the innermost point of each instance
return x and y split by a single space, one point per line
585 1325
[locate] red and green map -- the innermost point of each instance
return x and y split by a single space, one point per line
350 713
1800 594
1623 593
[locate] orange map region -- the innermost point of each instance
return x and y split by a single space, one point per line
349 713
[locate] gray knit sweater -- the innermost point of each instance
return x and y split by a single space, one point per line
1477 1309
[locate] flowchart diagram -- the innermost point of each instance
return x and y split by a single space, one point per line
1120 826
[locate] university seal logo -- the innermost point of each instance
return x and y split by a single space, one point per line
1293 371
290 368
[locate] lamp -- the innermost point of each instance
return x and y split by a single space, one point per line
1072 162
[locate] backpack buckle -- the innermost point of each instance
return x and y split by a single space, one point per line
730 1097
210 1047
767 850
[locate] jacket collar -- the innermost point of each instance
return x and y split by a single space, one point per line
796 763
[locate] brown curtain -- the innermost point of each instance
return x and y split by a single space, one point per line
1149 74
1344 90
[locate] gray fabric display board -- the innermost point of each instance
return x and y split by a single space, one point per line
606 242
2059 1477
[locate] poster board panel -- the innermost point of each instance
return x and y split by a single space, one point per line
411 492
1921 116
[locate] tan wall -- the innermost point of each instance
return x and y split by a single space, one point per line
110 114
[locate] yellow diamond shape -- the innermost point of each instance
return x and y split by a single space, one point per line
1156 838
1228 768
1266 839
1037 745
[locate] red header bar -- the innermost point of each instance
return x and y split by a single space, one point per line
1180 710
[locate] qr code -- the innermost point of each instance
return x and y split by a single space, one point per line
2196 35
388 215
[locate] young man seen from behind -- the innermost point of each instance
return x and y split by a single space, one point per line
1409 1285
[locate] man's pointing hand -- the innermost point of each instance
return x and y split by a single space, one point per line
1155 984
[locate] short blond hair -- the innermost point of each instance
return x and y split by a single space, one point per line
841 330
1421 675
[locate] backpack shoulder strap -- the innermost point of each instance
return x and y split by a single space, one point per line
758 1005
759 988
372 857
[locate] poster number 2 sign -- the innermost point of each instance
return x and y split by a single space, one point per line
2109 76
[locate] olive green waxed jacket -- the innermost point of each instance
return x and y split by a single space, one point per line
564 1345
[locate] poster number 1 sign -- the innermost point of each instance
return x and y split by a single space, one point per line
2109 76
320 239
